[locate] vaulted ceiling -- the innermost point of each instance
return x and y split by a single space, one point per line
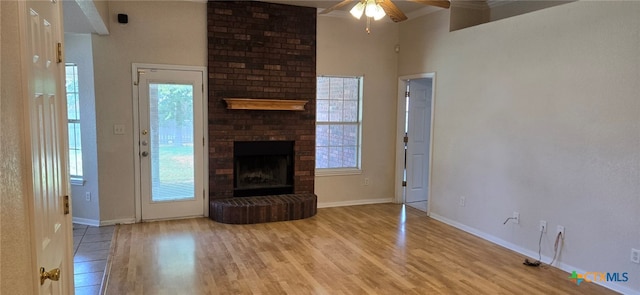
76 19
91 16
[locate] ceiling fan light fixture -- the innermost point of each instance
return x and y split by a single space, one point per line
379 13
357 10
371 8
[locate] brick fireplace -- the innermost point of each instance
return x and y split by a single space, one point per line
260 51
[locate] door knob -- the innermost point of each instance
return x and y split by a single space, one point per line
145 132
53 275
145 153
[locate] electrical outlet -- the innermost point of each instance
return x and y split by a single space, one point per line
560 229
462 201
635 255
87 196
543 226
516 217
366 181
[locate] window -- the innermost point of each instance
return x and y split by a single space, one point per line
338 122
73 113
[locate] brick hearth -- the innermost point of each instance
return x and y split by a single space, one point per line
260 50
264 209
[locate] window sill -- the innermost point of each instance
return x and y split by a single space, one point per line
77 181
338 172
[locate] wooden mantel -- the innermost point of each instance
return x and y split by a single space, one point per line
265 104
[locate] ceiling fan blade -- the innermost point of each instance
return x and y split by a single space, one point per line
337 6
438 3
392 11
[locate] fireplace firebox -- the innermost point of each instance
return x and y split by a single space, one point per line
262 168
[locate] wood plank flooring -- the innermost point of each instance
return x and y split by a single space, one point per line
371 249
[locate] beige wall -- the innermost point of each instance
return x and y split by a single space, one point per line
16 266
536 113
159 32
344 48
464 17
179 37
102 7
539 113
512 8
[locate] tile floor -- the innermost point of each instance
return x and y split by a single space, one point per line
90 251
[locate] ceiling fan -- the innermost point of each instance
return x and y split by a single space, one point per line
386 6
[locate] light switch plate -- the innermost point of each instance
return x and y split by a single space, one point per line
635 255
118 129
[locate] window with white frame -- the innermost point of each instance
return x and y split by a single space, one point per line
73 113
338 122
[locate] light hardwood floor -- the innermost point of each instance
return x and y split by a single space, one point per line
371 249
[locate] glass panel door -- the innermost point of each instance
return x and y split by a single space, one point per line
171 143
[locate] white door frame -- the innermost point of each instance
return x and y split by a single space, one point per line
136 130
400 152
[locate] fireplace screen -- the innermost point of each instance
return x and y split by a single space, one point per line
263 168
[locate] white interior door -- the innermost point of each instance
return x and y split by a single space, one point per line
47 122
417 153
171 143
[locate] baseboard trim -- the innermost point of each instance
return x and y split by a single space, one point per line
531 254
354 203
86 221
118 221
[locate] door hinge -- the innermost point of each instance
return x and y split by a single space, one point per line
405 139
65 204
404 183
202 86
59 53
407 94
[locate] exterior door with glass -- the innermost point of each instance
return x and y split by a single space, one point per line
170 142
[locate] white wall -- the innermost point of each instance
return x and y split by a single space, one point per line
16 265
160 32
78 50
344 48
539 113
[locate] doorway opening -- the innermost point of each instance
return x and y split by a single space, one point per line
415 121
